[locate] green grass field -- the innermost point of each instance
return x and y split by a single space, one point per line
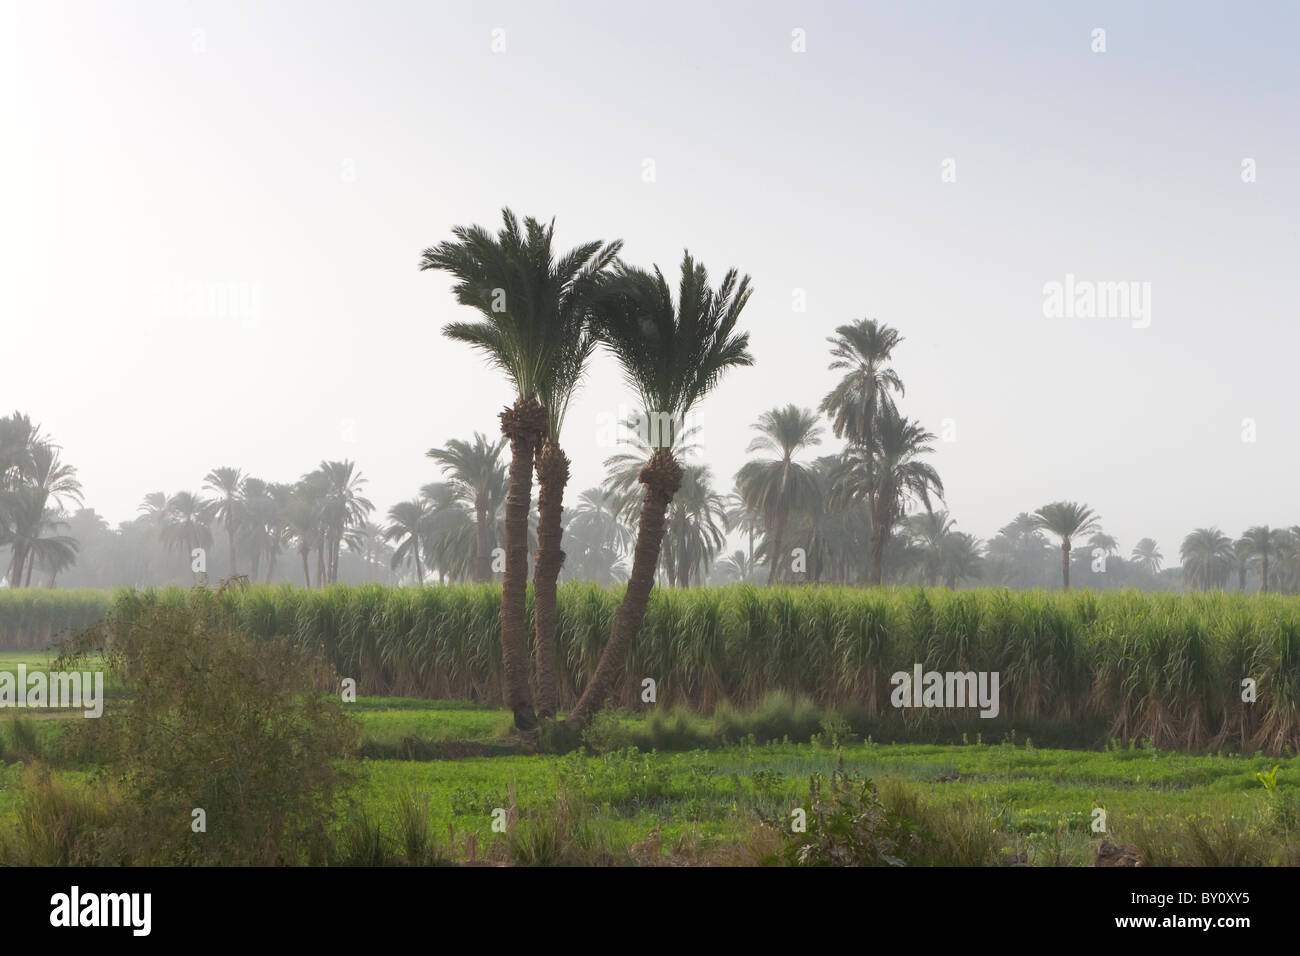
1181 808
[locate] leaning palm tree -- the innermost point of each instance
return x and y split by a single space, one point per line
1146 555
672 354
1207 556
778 486
533 328
1066 520
1259 545
476 472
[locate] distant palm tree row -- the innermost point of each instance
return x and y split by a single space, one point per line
319 514
1210 558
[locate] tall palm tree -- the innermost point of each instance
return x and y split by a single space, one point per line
258 510
931 531
406 521
342 508
595 519
1067 520
672 354
281 495
1207 555
962 558
449 532
696 527
1107 543
778 486
863 350
227 508
476 471
1146 555
533 328
304 524
889 474
186 523
39 484
1259 545
742 517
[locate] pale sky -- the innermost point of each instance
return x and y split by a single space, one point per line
211 216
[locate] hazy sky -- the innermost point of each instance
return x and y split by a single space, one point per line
211 216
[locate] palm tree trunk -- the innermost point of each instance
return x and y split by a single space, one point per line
552 477
778 544
230 539
1263 567
523 426
419 570
16 566
879 538
306 569
482 558
662 476
1065 564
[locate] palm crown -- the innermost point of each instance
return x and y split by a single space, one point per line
672 354
533 305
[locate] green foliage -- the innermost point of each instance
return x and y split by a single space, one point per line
220 722
1161 666
847 825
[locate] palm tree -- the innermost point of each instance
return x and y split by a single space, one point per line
185 523
449 532
281 495
1207 555
534 310
743 518
37 479
304 526
962 558
1146 555
1066 520
597 538
696 527
888 474
228 508
673 355
778 486
405 525
1260 544
258 510
1108 544
342 508
476 471
931 531
863 394
738 566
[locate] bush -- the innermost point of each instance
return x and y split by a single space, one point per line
218 723
847 825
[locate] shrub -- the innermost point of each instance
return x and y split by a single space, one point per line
221 723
